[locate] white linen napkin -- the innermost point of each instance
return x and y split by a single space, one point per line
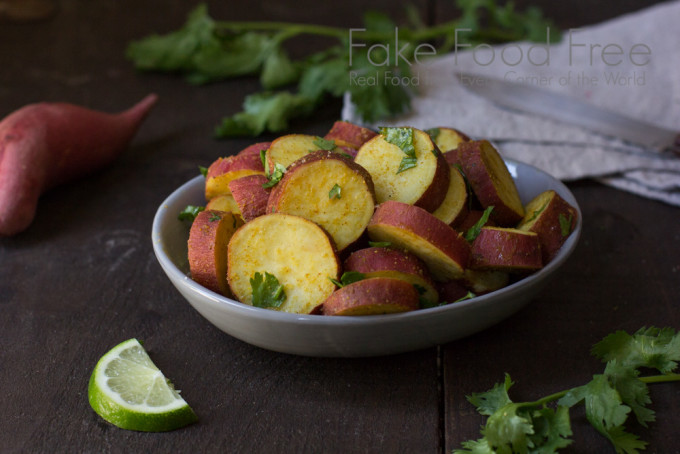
644 85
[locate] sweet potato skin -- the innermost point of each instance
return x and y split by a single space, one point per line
254 149
47 144
542 217
378 295
443 249
346 134
506 249
250 196
224 170
491 181
390 262
207 248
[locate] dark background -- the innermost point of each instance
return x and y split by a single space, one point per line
83 277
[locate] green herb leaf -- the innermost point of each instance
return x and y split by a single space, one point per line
189 213
263 159
565 224
468 296
474 231
203 170
323 144
214 217
335 192
348 277
539 211
402 138
275 176
264 112
433 133
267 291
379 243
608 399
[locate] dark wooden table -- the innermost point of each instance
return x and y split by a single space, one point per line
83 277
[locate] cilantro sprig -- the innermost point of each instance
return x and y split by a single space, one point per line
544 425
205 50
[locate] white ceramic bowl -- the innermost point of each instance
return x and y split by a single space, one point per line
344 336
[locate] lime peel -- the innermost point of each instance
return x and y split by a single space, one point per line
128 390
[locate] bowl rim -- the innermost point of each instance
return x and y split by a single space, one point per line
178 277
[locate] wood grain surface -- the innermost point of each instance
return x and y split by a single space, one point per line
83 277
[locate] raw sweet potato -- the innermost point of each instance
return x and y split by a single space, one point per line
425 180
329 189
377 295
398 264
409 227
346 134
506 249
294 250
491 181
250 195
552 219
223 170
47 144
208 239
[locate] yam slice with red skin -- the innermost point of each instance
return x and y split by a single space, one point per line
377 295
506 249
250 195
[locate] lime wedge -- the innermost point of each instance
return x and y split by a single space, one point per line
128 390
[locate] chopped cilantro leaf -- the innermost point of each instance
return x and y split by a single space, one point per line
203 170
474 231
335 192
275 176
379 243
267 291
433 133
565 224
190 212
348 277
214 217
323 144
402 138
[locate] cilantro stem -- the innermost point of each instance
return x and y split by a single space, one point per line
339 32
558 395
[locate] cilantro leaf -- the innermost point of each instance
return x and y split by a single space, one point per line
323 144
402 138
565 224
348 277
267 291
474 231
379 244
433 133
203 170
189 213
265 111
275 176
489 402
335 192
648 347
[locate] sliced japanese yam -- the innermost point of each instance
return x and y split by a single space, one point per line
491 181
451 291
425 184
223 170
552 218
224 202
444 250
506 249
372 296
447 139
346 134
454 208
329 189
289 148
250 195
296 251
390 262
207 248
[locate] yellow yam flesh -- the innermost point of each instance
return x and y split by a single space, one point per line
295 250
